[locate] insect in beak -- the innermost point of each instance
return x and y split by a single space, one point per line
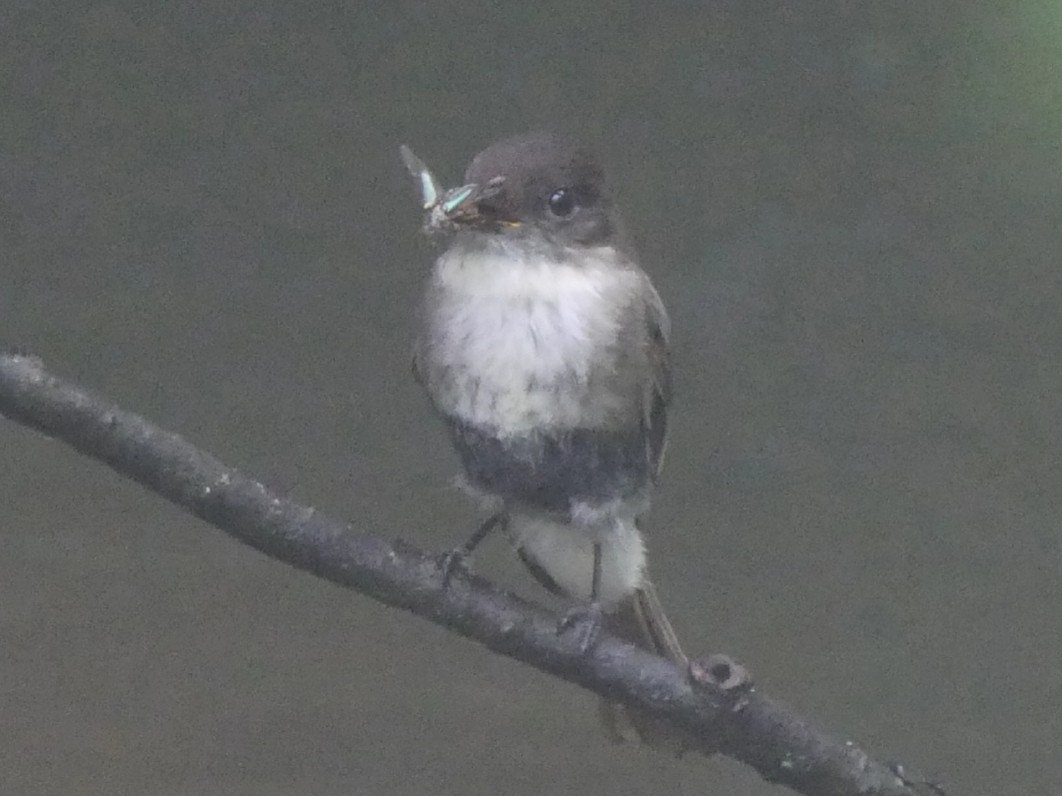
455 207
430 190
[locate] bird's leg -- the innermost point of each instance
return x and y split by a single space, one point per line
457 559
585 620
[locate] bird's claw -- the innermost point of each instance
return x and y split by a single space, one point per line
453 562
584 622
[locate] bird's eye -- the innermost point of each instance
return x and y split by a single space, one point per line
562 202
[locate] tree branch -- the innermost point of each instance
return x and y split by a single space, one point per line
711 702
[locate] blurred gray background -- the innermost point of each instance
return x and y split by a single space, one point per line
852 211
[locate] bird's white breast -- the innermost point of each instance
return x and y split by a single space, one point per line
519 336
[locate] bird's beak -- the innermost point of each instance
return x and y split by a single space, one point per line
470 205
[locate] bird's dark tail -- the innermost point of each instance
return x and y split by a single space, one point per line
641 620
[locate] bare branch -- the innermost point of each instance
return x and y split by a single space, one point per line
712 701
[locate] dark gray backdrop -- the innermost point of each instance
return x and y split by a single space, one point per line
851 210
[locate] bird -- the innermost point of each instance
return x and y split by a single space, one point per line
543 346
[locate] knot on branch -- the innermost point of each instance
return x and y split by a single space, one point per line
721 673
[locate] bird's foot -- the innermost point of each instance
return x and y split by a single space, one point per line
456 561
584 622
453 562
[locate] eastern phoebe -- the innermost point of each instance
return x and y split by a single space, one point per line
544 346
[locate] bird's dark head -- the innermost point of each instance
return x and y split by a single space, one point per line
538 184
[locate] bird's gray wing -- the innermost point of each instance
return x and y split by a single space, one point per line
658 389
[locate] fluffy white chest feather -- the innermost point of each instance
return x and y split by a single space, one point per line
517 340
